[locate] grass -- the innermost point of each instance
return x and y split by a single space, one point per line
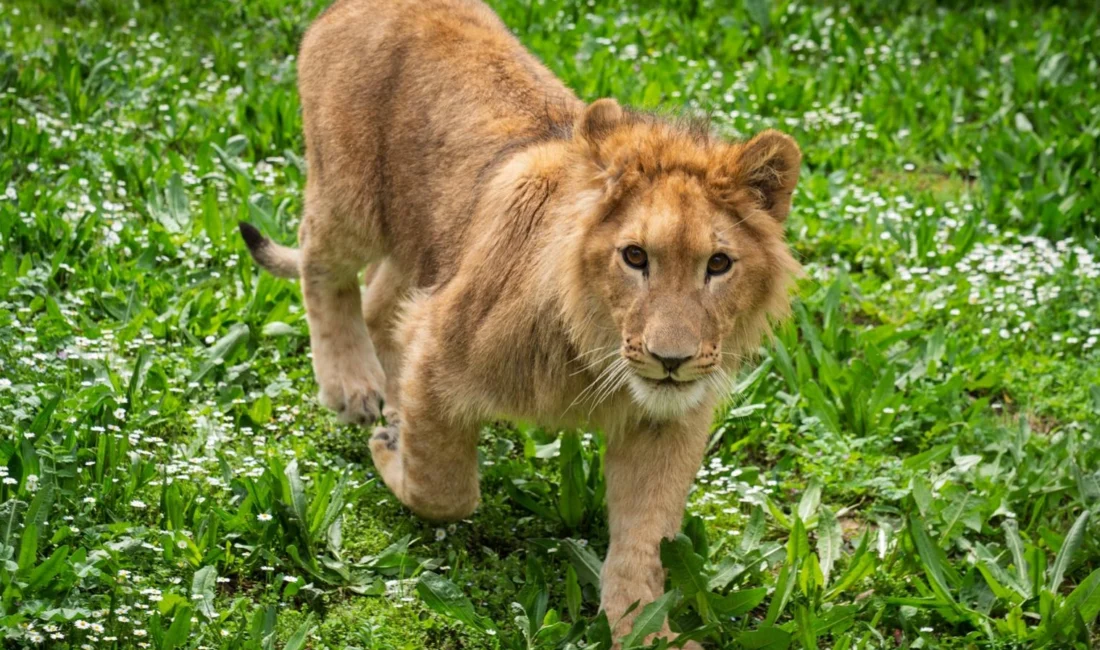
914 464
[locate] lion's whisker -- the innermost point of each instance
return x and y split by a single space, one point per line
594 351
592 385
596 362
620 366
619 379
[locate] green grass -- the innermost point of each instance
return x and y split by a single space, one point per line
914 464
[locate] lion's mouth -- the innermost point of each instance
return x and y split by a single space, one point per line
669 382
666 397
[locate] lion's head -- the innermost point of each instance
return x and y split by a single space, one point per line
684 259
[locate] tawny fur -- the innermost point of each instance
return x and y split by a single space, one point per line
491 209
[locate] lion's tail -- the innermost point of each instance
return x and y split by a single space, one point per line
278 260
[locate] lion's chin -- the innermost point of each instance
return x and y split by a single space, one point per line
665 400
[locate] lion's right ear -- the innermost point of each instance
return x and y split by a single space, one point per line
598 120
768 165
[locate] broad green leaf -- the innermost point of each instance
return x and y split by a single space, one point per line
696 530
858 569
1037 568
922 494
822 407
442 596
179 630
1066 554
784 586
334 508
28 548
760 12
42 419
516 491
931 558
1083 601
766 638
572 593
394 556
798 544
811 499
279 328
1016 547
236 144
924 459
754 531
38 512
725 573
996 579
46 571
587 565
178 209
230 161
651 97
737 603
222 350
805 626
202 591
785 365
211 216
780 517
1088 487
963 510
297 641
999 579
837 620
685 566
810 578
829 541
572 490
298 505
651 619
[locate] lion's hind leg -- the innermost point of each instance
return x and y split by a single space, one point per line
344 360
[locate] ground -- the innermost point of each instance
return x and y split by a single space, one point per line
913 464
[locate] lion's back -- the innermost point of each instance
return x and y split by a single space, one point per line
406 103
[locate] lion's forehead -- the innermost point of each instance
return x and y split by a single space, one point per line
677 220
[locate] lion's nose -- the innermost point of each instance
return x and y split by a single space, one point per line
670 363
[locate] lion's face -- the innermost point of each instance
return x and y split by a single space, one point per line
690 264
679 272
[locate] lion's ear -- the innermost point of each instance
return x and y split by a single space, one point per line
769 165
598 120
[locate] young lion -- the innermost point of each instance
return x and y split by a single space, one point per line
527 256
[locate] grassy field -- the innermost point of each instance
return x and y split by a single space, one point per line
913 465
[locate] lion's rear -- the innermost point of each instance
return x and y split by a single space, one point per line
405 105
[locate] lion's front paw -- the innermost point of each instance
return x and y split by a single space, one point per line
355 401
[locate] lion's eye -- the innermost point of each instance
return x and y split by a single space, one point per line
718 264
635 257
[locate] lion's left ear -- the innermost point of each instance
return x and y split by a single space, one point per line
768 165
598 120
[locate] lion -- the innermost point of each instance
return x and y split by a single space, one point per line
529 257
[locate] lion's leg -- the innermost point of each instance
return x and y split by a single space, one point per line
649 473
426 458
344 360
384 288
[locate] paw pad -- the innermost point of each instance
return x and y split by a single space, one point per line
387 436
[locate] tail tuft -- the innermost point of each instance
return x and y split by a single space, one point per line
277 260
